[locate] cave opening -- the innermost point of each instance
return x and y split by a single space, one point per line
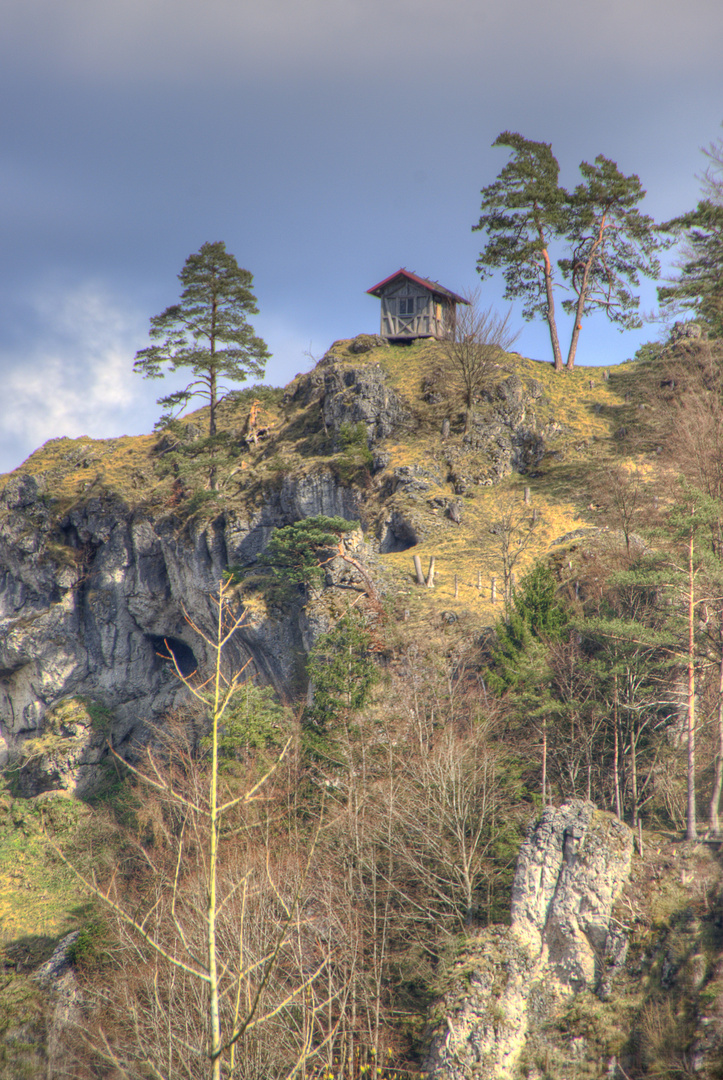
168 648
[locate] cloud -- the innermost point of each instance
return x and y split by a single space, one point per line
76 377
230 40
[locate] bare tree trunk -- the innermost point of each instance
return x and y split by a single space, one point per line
634 777
544 763
714 812
690 823
616 765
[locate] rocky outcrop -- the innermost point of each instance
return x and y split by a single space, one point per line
57 978
87 603
362 395
508 982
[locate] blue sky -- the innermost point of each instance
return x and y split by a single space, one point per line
327 143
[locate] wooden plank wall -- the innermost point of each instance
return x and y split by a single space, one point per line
430 318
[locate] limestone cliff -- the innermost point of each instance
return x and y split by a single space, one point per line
88 603
101 561
507 983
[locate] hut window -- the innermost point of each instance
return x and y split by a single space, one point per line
406 305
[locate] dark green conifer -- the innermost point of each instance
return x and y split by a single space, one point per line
206 331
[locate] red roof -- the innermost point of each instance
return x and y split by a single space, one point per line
433 286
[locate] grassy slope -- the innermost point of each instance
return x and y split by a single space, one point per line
38 900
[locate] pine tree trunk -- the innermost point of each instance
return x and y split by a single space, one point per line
584 288
551 322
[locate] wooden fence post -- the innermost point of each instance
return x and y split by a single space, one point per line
456 587
493 590
527 496
418 569
430 575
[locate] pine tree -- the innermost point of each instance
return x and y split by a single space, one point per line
699 286
523 212
205 331
610 245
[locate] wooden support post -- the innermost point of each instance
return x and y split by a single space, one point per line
479 580
430 574
527 496
456 587
493 590
535 515
418 570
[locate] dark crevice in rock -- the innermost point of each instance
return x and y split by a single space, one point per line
169 649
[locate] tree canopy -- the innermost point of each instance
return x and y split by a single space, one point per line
698 287
523 212
607 242
610 244
206 331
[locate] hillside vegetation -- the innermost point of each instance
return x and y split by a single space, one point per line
388 832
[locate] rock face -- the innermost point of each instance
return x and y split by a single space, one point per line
361 395
88 603
57 978
508 982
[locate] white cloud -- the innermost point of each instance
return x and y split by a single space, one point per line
76 378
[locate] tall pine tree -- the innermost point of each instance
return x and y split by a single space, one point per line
206 331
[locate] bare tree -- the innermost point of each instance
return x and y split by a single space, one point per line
624 496
478 340
218 946
513 527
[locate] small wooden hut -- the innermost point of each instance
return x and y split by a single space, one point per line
415 307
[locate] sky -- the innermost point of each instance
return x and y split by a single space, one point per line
327 143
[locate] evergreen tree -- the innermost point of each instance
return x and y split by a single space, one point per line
341 671
699 286
610 245
205 331
535 618
523 212
296 554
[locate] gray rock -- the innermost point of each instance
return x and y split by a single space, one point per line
399 532
86 605
59 963
508 983
362 395
64 1011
